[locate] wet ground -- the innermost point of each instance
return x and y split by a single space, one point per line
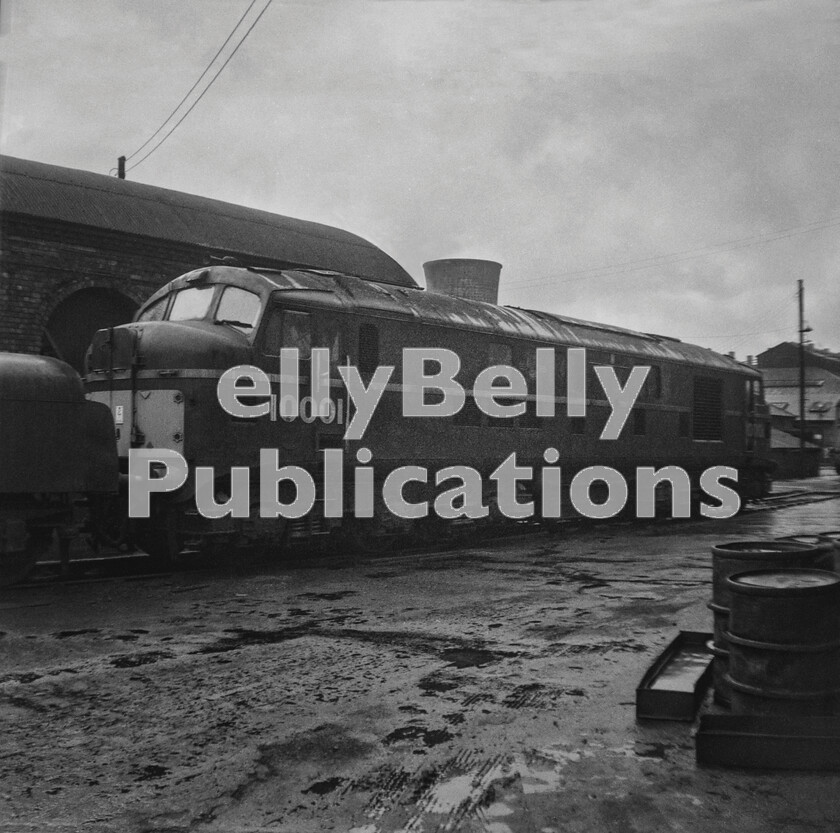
489 689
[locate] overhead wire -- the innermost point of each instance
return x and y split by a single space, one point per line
198 81
771 315
206 88
621 268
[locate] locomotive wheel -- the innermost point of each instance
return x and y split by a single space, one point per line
16 566
433 531
111 524
366 535
158 545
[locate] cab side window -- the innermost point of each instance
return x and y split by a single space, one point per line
368 349
328 337
288 328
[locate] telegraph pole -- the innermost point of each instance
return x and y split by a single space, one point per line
802 330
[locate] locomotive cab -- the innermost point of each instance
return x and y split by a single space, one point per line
159 376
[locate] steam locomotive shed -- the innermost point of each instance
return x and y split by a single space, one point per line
489 688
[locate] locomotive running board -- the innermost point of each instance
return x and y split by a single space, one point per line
675 684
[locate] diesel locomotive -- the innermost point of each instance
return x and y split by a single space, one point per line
160 378
57 451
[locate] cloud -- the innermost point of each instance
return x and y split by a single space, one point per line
553 137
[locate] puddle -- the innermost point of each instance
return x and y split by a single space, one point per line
587 581
536 695
328 597
449 795
24 677
68 634
135 660
325 744
23 703
600 647
152 772
650 750
430 737
642 749
434 684
470 657
324 787
241 638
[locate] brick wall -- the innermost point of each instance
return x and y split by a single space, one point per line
42 262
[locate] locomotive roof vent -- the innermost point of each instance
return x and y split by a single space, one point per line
468 278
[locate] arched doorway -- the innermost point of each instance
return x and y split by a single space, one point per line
73 322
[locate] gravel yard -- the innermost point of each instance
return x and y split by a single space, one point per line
486 689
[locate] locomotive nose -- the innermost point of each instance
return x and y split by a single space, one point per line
155 345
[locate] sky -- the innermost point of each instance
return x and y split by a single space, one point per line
663 165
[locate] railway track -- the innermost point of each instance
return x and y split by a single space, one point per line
109 566
794 497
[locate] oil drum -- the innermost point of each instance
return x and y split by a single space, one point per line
742 556
784 642
832 537
820 540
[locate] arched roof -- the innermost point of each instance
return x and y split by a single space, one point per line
104 202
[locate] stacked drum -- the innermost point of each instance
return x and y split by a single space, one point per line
784 642
771 594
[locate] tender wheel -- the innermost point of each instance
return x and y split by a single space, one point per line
16 566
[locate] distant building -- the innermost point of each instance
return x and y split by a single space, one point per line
780 368
789 458
81 251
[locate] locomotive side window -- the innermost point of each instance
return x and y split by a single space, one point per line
593 358
329 336
652 389
622 365
191 304
288 328
707 416
239 308
368 348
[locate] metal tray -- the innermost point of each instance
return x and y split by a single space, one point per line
675 684
769 742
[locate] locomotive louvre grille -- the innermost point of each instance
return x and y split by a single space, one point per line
707 417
